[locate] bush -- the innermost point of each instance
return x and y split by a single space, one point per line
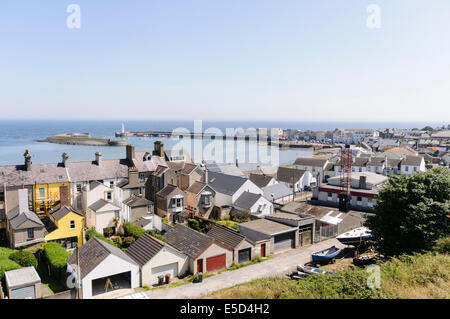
134 230
7 264
24 258
117 241
151 232
240 216
127 241
93 233
442 245
108 232
55 257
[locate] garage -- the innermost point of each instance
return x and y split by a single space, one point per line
110 283
171 269
305 233
216 263
22 283
23 293
244 255
285 241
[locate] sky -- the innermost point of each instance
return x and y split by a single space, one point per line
293 60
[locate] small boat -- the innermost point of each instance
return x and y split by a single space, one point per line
313 270
355 236
365 259
326 254
296 275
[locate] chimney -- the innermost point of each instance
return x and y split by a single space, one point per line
64 198
159 149
65 159
206 175
362 182
27 156
98 158
23 200
130 154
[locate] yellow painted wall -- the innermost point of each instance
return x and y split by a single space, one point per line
64 230
51 194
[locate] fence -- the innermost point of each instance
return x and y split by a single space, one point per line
325 232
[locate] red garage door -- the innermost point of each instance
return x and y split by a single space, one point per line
216 263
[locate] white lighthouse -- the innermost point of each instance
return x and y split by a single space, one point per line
123 128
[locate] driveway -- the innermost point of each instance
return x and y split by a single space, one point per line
279 265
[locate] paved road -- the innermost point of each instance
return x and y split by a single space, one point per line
279 265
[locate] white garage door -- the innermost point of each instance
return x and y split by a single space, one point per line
171 269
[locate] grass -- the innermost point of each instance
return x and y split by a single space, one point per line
6 264
418 276
248 263
229 223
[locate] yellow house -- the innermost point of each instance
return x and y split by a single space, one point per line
66 227
45 196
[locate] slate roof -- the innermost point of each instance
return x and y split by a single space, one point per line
187 240
16 175
278 190
225 184
142 222
260 180
93 253
196 187
137 201
312 161
160 170
60 212
289 175
17 218
188 168
225 235
144 249
412 160
377 161
100 204
247 200
166 191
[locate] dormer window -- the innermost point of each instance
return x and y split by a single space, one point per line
108 195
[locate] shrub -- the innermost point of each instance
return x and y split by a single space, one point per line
118 241
6 264
240 216
24 258
134 230
55 257
194 224
127 241
93 233
108 232
442 245
156 235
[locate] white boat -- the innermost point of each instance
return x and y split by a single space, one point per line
355 236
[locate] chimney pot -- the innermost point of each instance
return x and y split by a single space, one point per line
27 156
98 157
65 158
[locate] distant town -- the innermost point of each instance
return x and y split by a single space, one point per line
127 227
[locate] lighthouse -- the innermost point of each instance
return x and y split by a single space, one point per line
123 128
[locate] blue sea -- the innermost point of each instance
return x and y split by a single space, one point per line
16 136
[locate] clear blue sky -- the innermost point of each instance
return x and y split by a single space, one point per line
227 59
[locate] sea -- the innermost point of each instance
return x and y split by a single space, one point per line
18 135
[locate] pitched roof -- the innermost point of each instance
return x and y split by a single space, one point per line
196 187
142 222
311 161
17 218
187 240
225 184
225 235
100 204
278 190
137 201
247 200
289 175
188 168
93 252
160 170
16 175
144 249
412 160
60 212
377 161
166 191
260 180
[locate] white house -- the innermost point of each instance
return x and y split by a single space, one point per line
411 164
295 178
255 204
103 267
157 258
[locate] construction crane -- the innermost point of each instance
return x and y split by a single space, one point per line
345 181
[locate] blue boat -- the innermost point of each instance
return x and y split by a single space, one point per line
326 254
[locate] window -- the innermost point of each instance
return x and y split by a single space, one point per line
359 198
72 224
142 177
41 192
415 169
108 195
116 214
111 183
406 168
78 188
30 232
79 203
141 190
2 196
176 202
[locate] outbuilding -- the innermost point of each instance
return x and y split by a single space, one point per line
282 237
102 268
22 283
157 258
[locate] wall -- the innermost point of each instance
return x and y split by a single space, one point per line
213 250
51 194
64 230
244 244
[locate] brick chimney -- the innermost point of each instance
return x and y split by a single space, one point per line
23 200
98 158
130 154
159 149
27 156
65 159
64 198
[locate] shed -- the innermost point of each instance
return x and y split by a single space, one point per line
22 283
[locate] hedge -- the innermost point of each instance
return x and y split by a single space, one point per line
55 257
134 230
6 264
24 258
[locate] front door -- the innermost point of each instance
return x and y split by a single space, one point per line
200 265
263 250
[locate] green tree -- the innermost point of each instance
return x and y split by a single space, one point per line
412 212
428 129
24 258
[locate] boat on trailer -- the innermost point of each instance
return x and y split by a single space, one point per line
313 270
355 236
326 255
